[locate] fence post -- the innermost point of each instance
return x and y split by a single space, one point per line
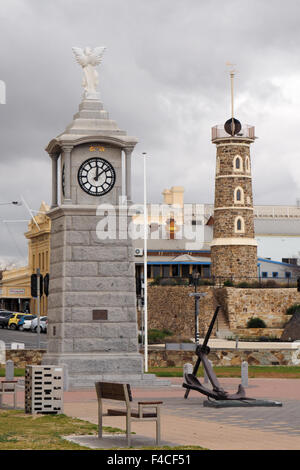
9 370
245 374
187 369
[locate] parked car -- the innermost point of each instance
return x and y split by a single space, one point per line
26 322
4 318
43 324
14 322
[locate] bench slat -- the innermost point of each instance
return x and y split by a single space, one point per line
134 413
112 391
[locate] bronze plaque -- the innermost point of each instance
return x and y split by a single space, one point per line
99 314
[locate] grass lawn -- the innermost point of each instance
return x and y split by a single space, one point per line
19 431
280 372
40 432
283 372
18 372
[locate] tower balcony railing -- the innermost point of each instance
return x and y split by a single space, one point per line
247 132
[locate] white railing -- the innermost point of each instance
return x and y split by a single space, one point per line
218 132
276 212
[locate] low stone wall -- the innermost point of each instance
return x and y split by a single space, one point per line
171 307
24 357
164 358
257 332
268 304
227 357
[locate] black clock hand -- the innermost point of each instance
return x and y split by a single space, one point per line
98 174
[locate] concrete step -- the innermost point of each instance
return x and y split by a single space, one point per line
138 381
223 334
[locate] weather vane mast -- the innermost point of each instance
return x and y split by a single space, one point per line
232 74
232 126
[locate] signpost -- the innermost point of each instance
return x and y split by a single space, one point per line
39 286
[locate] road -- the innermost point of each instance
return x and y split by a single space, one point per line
26 337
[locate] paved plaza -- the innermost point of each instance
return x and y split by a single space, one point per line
187 422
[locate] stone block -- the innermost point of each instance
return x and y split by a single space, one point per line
99 300
77 238
100 345
116 269
94 253
81 268
97 284
83 331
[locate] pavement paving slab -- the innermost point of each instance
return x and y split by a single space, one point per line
187 422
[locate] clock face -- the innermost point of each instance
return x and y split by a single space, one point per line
96 176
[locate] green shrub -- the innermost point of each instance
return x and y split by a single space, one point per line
228 283
256 322
244 284
157 336
293 309
155 281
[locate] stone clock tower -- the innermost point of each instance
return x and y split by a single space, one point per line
234 248
92 300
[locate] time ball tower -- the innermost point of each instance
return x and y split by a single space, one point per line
233 248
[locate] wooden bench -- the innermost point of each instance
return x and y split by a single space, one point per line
122 392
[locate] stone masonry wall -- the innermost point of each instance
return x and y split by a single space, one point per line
268 304
227 357
171 307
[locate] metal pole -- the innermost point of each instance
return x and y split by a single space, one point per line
145 267
38 272
197 320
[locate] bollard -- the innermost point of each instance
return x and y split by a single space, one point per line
9 370
66 377
187 369
245 374
206 380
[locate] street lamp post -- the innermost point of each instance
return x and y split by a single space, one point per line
197 296
145 266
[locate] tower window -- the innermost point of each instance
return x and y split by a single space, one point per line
247 164
239 195
238 163
239 225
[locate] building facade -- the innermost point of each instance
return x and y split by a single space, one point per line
15 286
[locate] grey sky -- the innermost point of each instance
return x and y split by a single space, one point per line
163 79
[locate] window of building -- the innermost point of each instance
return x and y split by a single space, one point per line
166 270
264 274
175 270
206 271
238 163
218 165
274 274
149 270
247 162
156 271
197 268
239 225
287 274
239 195
185 270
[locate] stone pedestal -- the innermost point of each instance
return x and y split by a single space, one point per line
92 303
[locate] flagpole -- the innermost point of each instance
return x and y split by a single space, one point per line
145 268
